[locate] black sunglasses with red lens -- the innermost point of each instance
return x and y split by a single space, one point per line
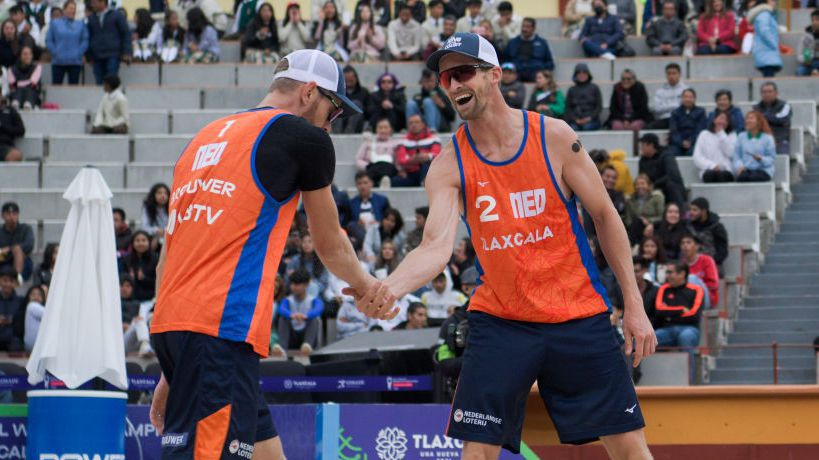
462 73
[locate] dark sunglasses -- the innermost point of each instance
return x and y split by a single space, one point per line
338 109
462 73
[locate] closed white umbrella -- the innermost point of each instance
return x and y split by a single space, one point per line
80 336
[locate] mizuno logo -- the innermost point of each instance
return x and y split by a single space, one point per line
483 184
630 410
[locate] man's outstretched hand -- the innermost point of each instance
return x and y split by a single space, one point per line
377 302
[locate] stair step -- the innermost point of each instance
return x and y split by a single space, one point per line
795 237
750 362
770 290
801 247
763 376
771 257
780 325
781 267
788 226
781 299
775 312
784 279
765 352
766 338
805 197
802 216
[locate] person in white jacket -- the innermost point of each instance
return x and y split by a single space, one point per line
294 34
714 150
112 114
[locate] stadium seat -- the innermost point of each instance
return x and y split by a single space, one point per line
159 148
200 75
134 74
600 69
743 230
345 174
564 48
147 121
237 98
145 97
740 198
144 175
32 146
548 28
191 121
67 121
229 51
648 68
75 97
254 76
89 148
17 175
52 231
665 369
60 174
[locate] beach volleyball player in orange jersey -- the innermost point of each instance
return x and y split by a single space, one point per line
235 191
540 312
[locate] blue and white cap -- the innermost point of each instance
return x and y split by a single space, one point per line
467 44
314 65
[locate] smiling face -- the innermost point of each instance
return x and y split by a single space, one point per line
672 214
609 176
383 130
141 244
723 102
388 251
649 250
470 98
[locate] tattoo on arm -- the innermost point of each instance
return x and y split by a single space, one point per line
576 146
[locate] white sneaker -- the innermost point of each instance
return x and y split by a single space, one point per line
145 350
608 56
385 182
306 349
277 350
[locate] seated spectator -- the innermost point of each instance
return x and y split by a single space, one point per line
714 150
436 41
367 39
602 33
705 225
661 167
353 124
318 11
112 115
617 160
628 109
10 303
389 102
716 29
700 265
668 97
11 128
441 300
307 259
463 257
11 43
415 153
513 91
687 121
143 48
140 264
387 260
765 49
472 18
155 213
652 253
666 35
416 235
416 317
725 104
43 273
584 101
529 52
609 177
167 38
16 241
300 316
350 320
433 25
67 42
486 31
669 231
506 24
626 11
755 152
778 114
24 81
547 99
136 335
243 11
367 208
35 308
329 32
648 290
574 16
807 50
469 281
377 154
201 40
25 27
677 312
405 36
294 34
432 103
391 228
109 39
260 44
122 232
643 207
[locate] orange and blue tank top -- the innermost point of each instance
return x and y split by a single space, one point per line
533 258
225 236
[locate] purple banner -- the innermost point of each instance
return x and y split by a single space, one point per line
398 432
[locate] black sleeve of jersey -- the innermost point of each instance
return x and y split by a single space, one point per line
294 155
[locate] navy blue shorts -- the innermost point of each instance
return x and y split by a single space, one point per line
215 409
580 370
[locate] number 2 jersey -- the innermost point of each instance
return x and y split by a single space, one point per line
533 258
235 192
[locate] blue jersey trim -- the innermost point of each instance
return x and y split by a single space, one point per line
240 304
500 163
461 172
253 160
580 238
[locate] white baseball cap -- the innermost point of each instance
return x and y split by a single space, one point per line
317 66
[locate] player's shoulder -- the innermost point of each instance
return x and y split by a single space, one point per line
296 127
559 134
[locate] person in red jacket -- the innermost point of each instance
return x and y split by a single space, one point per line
700 265
716 30
415 153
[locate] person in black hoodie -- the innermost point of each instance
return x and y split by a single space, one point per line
353 124
260 44
678 311
661 167
707 227
11 128
388 102
584 101
628 109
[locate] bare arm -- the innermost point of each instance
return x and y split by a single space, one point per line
583 179
429 259
160 266
332 246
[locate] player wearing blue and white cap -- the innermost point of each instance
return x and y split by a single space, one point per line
540 312
223 246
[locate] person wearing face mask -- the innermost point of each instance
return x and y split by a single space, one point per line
601 34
